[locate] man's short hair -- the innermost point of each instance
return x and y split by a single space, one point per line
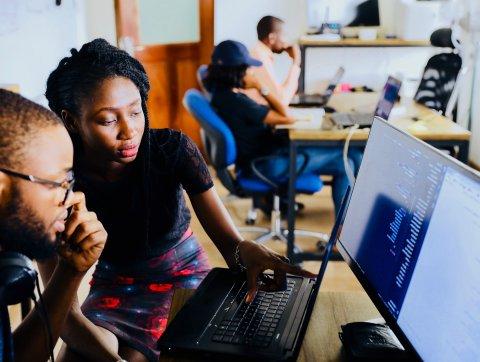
266 25
20 120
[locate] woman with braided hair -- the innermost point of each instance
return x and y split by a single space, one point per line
133 178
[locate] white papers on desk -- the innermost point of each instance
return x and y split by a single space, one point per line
306 118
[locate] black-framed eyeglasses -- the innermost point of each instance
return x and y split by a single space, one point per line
66 184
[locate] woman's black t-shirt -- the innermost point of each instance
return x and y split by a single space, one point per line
176 164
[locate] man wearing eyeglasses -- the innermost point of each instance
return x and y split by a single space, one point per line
40 215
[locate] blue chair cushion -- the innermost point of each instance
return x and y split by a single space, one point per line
306 184
253 185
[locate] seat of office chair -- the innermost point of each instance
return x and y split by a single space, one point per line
308 183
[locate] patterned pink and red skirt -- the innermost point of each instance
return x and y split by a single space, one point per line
133 303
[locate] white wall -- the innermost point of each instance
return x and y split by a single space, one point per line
238 20
234 20
36 34
99 20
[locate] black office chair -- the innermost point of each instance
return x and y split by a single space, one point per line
440 74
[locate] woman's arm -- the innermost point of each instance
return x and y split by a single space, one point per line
219 226
217 223
79 333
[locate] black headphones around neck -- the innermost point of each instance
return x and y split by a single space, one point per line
17 277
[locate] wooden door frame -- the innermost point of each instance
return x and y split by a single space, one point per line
129 26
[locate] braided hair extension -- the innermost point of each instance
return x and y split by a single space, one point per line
79 74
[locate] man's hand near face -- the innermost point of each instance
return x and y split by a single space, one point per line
84 236
293 51
83 240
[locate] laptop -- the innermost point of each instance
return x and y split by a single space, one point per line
318 100
384 107
411 235
216 322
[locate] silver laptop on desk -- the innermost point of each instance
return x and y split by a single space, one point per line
384 107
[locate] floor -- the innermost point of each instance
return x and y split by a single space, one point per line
317 216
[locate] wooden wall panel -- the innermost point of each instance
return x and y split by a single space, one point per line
186 70
171 68
159 98
172 71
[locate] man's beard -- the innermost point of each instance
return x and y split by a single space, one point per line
23 232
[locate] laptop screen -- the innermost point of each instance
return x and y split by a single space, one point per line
387 97
412 236
333 83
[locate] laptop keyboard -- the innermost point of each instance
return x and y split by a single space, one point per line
254 324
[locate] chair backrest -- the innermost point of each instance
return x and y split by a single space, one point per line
217 138
440 74
438 81
201 75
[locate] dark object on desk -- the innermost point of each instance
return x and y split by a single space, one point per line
318 100
271 327
440 74
362 89
364 341
329 109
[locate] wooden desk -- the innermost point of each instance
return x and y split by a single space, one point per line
310 42
430 127
321 342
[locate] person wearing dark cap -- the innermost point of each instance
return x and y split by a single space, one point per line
251 123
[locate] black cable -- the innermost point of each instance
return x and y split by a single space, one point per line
44 316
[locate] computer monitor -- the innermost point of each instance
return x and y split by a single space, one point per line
388 97
344 12
412 237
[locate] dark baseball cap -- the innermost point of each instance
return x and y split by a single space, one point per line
232 53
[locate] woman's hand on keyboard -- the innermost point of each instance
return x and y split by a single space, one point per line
257 259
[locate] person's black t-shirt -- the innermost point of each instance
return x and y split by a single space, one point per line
245 118
176 164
